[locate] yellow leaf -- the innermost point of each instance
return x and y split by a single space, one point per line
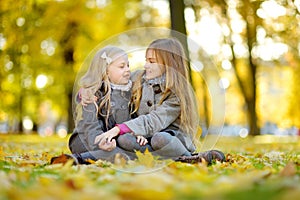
2 155
145 158
120 160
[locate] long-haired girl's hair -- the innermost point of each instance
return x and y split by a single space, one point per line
170 53
96 77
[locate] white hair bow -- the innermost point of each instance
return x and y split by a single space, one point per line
105 57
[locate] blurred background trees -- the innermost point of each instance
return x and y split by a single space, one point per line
254 45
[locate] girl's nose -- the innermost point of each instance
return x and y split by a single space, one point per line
146 65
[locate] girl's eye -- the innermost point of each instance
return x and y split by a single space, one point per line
150 60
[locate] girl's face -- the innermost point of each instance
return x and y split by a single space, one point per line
118 71
152 67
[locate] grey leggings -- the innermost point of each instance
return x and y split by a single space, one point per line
161 144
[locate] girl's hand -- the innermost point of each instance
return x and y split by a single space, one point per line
86 100
141 140
107 145
107 136
86 97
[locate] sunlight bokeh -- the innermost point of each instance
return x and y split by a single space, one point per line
41 81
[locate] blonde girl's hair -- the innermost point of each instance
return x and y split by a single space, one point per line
169 52
96 77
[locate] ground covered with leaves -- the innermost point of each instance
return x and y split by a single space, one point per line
263 167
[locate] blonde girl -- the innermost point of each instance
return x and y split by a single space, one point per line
107 84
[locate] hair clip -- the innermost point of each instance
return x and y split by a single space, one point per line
105 57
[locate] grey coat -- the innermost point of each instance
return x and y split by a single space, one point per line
153 118
93 124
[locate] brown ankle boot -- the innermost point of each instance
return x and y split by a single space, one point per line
218 155
195 158
207 156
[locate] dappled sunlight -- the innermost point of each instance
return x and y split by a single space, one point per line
279 139
43 50
27 124
41 81
271 9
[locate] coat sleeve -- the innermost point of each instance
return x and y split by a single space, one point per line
157 120
89 126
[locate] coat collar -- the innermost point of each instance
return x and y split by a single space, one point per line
158 83
161 80
126 87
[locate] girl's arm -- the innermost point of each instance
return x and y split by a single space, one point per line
89 127
157 120
107 137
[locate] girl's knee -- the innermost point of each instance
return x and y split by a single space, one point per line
160 139
126 141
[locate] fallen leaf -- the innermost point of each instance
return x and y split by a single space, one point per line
289 170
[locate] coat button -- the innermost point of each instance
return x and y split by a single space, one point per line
123 106
149 103
157 89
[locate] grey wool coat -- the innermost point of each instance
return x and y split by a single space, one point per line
92 124
154 117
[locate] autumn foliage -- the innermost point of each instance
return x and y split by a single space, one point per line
264 167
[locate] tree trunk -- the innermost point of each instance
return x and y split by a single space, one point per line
178 21
178 24
249 14
68 52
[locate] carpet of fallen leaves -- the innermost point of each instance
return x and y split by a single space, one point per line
262 167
